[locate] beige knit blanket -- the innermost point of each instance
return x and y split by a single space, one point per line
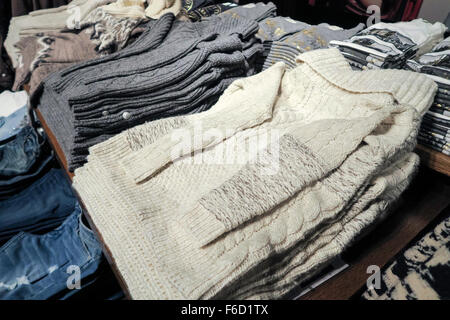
252 197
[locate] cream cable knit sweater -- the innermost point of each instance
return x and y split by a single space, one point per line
200 230
158 8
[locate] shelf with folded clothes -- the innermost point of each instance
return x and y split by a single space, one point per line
427 198
415 46
408 220
434 137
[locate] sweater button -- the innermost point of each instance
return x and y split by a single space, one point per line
126 115
3 75
105 113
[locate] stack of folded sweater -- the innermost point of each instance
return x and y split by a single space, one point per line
390 45
102 31
24 154
335 151
23 160
284 38
435 130
173 68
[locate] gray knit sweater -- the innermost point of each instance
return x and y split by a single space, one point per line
173 68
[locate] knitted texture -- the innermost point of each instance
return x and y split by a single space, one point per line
158 8
420 272
180 227
174 68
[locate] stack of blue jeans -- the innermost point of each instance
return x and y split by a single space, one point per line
23 160
46 250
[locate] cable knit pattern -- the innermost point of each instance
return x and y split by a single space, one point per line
185 228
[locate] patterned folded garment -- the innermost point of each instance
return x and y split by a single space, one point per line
284 38
421 272
6 72
174 68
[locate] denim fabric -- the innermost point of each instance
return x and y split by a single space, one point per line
38 266
19 155
43 205
10 126
90 102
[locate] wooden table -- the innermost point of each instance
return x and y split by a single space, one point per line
428 196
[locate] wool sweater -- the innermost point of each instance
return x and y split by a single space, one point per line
174 68
100 34
183 224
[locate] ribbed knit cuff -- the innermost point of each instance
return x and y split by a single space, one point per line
202 225
406 87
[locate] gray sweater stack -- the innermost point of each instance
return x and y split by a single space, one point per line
174 68
284 38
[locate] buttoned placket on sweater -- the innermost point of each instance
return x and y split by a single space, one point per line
198 243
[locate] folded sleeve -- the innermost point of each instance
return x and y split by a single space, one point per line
279 173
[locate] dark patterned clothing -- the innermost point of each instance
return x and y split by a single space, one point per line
422 272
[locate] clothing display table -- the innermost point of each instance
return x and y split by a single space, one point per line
427 197
212 150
